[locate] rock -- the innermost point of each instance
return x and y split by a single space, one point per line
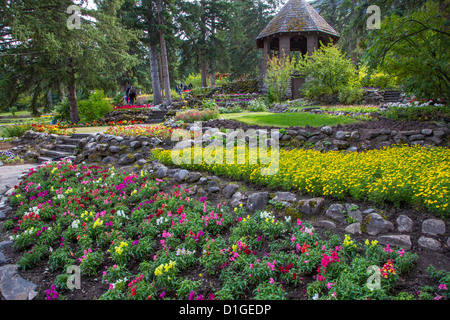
108 159
341 135
215 143
237 199
427 132
202 180
402 241
141 162
353 211
405 224
127 159
311 206
355 135
161 172
257 201
183 144
433 226
354 228
352 149
324 224
229 190
327 130
429 243
114 149
284 197
181 175
13 286
31 154
193 177
376 224
336 212
135 144
416 137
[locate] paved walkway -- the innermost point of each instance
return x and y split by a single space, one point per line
9 175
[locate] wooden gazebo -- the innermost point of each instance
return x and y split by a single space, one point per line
296 27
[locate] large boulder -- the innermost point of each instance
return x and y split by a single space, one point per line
257 201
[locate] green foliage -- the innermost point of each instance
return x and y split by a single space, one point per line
96 107
14 130
278 77
13 111
329 72
257 105
413 113
414 47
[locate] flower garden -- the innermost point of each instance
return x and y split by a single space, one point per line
145 239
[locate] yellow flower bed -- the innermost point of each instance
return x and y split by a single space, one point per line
414 175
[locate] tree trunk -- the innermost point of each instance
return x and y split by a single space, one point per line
213 56
72 95
204 74
157 99
203 57
164 63
33 107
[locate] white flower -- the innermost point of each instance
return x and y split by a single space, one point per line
316 297
75 224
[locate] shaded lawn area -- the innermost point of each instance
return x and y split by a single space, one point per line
299 119
18 113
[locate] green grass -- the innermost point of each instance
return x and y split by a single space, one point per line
18 113
288 119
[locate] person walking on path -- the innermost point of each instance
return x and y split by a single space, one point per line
127 92
132 95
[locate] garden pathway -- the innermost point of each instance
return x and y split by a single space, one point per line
10 175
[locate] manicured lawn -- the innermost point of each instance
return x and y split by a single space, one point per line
287 119
18 113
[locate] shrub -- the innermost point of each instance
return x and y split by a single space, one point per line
14 130
257 105
329 72
96 107
278 77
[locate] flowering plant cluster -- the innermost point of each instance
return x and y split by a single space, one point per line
423 180
147 239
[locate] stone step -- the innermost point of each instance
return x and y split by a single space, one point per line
70 141
65 147
79 136
54 153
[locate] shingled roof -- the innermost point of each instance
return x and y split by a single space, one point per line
297 16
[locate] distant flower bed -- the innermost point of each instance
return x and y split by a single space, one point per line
19 129
197 115
160 132
105 123
134 107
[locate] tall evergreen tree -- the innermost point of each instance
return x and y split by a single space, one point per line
83 56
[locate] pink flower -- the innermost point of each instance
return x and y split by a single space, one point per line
271 281
443 286
162 295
